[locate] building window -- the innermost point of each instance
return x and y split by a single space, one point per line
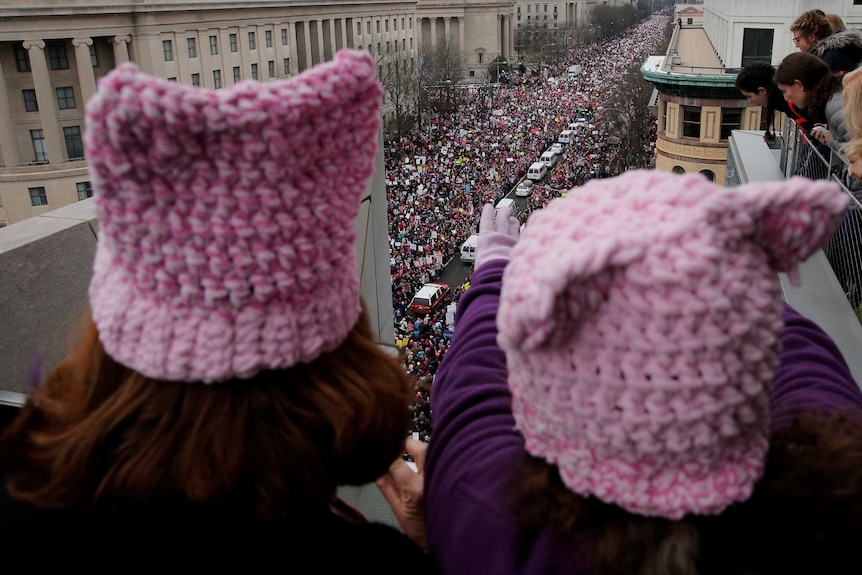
65 98
193 47
528 8
286 64
359 28
472 73
213 45
74 143
232 38
708 174
386 25
94 56
38 197
387 46
30 102
404 43
57 55
379 52
410 22
379 70
85 190
216 79
254 74
252 43
377 26
678 170
731 119
196 79
172 79
757 45
691 122
481 57
236 76
38 139
268 38
271 68
368 27
402 23
546 7
168 50
22 59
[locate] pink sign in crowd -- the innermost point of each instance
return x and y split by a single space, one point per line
439 177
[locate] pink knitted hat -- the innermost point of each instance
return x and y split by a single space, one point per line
227 217
641 318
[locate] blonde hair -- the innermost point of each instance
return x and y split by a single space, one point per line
853 112
835 22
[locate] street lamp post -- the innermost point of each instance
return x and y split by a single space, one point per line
541 53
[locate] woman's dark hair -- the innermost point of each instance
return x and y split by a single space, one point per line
97 434
753 77
804 516
815 77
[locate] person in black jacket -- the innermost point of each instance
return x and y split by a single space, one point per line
756 83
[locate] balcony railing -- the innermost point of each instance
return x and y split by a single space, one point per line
801 157
831 289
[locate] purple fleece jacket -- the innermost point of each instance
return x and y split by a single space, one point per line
475 444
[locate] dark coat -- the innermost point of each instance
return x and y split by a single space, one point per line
842 51
168 537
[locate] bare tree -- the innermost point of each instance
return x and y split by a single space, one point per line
401 83
441 67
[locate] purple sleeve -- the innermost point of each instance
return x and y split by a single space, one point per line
474 447
812 375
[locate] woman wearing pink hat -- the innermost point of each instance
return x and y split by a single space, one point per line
228 380
626 391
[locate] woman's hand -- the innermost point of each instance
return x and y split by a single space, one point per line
823 135
403 489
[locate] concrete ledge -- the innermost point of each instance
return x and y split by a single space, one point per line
46 264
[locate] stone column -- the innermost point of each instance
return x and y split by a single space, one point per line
417 33
447 28
504 49
291 44
8 145
46 97
433 22
345 22
461 45
309 62
321 41
86 77
121 49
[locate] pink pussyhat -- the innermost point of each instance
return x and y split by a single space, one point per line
227 240
641 317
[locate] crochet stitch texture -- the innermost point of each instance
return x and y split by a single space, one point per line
227 217
641 318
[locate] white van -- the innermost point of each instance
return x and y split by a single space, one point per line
537 171
513 206
566 137
468 250
548 158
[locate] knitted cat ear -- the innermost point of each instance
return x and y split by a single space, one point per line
566 287
794 218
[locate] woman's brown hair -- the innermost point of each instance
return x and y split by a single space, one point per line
805 515
815 77
98 435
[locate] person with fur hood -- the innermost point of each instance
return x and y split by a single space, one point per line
842 51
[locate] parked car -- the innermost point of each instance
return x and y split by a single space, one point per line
524 189
557 148
429 297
